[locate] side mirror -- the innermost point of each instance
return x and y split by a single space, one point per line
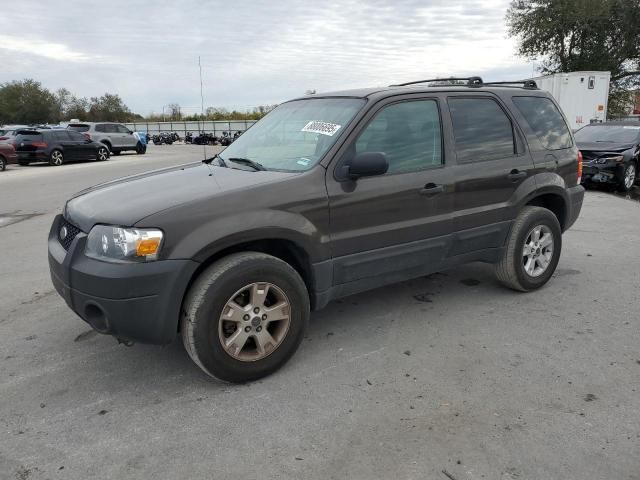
368 164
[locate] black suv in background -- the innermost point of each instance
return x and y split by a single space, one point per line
326 196
611 153
56 147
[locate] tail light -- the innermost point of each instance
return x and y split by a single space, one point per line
87 135
39 144
4 138
579 167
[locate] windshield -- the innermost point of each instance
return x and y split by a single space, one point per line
608 134
296 135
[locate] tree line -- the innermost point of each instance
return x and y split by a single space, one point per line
27 102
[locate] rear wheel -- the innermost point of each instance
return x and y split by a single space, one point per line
56 158
102 154
533 250
245 316
3 164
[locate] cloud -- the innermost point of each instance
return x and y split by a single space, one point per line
52 50
253 52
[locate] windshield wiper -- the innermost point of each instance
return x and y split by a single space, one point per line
249 163
221 161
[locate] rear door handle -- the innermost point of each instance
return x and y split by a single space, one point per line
516 174
431 189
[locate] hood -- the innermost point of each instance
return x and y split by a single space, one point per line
604 147
128 200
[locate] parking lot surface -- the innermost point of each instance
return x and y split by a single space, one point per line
448 372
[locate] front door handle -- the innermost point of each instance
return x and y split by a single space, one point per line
516 174
431 189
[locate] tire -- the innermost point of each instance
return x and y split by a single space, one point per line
56 158
141 149
628 177
511 270
3 164
102 154
203 330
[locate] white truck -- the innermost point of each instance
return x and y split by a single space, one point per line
582 95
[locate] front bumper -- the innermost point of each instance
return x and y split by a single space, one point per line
133 301
576 196
602 172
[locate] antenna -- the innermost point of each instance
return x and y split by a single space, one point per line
204 145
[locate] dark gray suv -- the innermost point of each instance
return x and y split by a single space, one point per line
326 196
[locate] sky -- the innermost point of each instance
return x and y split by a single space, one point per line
252 52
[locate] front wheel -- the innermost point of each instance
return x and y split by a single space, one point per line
140 148
245 316
533 250
56 158
3 164
628 178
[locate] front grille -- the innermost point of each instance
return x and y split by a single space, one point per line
66 233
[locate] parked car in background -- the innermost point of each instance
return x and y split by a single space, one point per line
8 133
57 147
115 136
611 153
7 155
326 196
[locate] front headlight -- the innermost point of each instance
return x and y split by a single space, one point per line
106 242
616 158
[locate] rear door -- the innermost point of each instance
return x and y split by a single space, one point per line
492 163
397 225
62 139
84 149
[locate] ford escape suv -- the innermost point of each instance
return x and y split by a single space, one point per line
326 196
115 136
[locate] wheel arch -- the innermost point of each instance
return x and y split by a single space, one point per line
554 201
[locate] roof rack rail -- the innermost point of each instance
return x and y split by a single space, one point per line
531 84
471 81
474 82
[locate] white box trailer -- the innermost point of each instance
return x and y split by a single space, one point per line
582 96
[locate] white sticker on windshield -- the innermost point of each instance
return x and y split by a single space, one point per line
631 128
323 128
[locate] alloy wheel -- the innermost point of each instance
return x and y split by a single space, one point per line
254 321
56 158
629 176
537 251
102 154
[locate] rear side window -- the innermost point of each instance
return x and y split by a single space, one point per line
408 133
545 120
78 127
100 128
481 129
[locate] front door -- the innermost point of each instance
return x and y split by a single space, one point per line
397 225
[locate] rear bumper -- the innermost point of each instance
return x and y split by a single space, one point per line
133 301
37 156
576 196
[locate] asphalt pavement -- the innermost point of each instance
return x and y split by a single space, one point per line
447 372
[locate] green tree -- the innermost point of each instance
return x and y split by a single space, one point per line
573 35
108 108
27 102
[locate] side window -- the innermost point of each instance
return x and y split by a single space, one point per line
61 136
545 120
76 137
408 133
101 128
122 129
481 129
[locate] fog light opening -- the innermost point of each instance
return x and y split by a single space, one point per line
96 317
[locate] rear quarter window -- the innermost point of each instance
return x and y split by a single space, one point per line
546 121
79 128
